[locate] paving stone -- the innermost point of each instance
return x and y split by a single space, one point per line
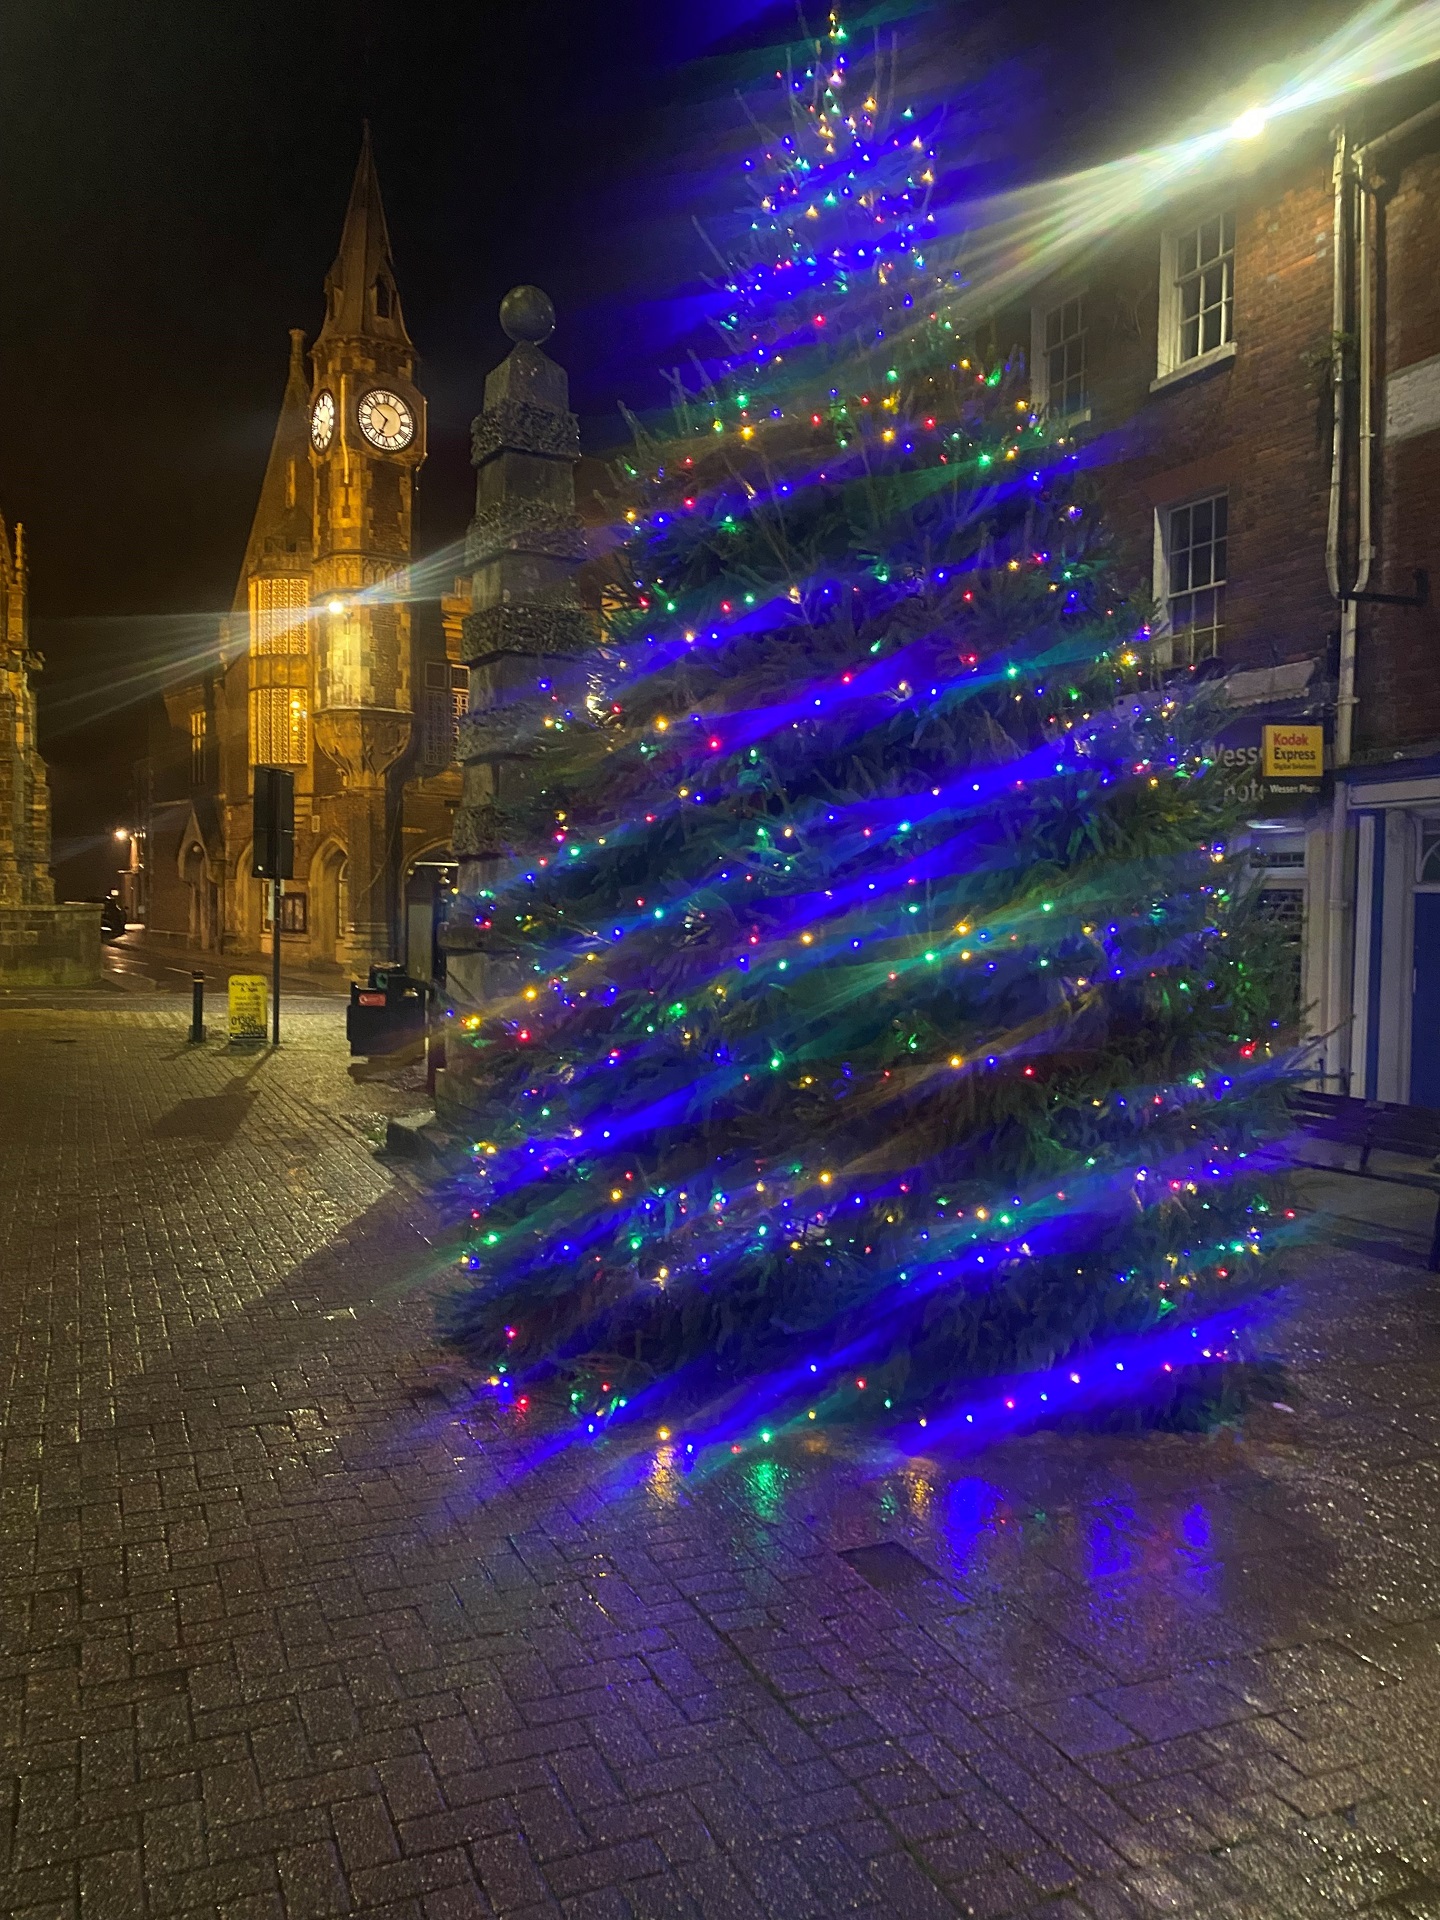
292 1624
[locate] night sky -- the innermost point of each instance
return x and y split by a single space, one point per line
172 180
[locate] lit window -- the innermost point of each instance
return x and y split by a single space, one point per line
1195 556
279 727
199 747
1063 368
279 670
279 613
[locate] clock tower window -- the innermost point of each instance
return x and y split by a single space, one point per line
280 613
279 726
279 670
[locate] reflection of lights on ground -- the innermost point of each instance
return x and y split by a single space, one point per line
665 1475
1112 1543
765 1482
1195 1526
968 1519
920 1493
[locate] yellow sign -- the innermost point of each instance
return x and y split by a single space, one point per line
1294 753
247 1006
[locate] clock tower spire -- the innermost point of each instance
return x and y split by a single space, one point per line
367 441
361 298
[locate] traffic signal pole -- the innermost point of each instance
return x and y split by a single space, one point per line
275 962
273 859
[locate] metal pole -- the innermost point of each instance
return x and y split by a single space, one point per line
275 963
197 1008
434 1045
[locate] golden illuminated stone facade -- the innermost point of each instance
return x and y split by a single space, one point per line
326 668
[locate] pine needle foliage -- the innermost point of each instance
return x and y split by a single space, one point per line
888 987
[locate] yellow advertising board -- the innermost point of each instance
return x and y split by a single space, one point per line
1293 752
247 1007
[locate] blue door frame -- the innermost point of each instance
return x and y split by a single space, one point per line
1425 1007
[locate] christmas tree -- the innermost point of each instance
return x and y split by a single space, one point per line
889 1015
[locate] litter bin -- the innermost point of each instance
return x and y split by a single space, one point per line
386 1014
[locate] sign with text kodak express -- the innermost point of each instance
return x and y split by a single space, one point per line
1293 751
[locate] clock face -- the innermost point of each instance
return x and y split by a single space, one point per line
322 421
386 421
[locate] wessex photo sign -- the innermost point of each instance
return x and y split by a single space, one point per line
1278 765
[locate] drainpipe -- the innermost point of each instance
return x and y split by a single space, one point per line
1365 227
1333 976
1402 132
1337 365
1348 164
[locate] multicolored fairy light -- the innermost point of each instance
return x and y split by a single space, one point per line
877 1009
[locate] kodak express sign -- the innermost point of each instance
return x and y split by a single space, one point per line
1292 752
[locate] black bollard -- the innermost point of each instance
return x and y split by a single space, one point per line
197 1009
434 1043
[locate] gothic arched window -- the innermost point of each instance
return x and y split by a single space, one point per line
382 299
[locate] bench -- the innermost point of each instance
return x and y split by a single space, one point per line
1367 1125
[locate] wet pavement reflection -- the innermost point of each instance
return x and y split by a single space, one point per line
1084 1673
296 1618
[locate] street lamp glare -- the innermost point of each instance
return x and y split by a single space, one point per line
121 833
1250 125
336 606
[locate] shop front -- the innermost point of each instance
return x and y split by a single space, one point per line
1394 816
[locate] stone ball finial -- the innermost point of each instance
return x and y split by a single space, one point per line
527 314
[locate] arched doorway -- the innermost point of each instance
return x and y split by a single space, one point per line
329 903
429 884
198 892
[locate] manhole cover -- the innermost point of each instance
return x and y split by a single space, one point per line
889 1566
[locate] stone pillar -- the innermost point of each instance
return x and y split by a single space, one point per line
24 789
41 944
525 638
367 744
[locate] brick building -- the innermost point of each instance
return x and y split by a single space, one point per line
1253 374
335 663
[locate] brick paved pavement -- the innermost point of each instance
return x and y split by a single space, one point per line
291 1627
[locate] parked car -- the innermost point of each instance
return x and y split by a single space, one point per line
112 919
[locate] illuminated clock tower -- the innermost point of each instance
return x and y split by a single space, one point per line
367 440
